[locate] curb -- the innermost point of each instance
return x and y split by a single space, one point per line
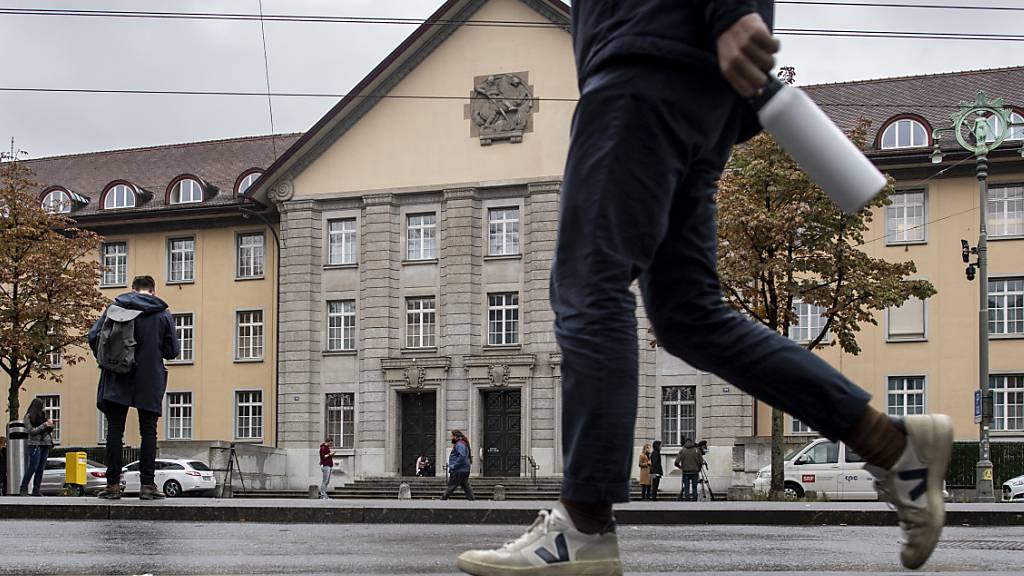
368 514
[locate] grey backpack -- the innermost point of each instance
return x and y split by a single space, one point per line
116 349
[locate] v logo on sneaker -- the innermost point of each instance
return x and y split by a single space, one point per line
563 551
920 474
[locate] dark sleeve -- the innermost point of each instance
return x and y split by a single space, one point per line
94 333
721 14
169 346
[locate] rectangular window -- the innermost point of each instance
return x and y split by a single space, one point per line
1006 211
249 415
341 325
1006 306
810 322
340 424
798 427
905 218
54 359
249 335
905 395
503 319
179 415
422 237
1007 402
250 255
906 322
181 260
115 264
420 321
503 231
51 407
184 327
341 246
678 414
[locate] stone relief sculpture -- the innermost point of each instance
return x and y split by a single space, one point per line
500 108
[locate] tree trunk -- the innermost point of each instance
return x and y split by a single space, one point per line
778 466
12 399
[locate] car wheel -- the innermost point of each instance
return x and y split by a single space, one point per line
793 491
172 489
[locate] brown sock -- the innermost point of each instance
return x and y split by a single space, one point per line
589 517
877 439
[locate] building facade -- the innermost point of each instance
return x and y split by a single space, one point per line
174 213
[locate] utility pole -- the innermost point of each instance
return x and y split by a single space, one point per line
975 132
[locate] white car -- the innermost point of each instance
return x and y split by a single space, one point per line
831 469
1013 489
174 477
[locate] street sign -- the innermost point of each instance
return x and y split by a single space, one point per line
977 406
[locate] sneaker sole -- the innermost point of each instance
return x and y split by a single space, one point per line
577 568
937 458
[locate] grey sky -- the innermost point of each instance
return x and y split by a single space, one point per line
320 57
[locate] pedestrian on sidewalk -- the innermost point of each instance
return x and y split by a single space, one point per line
326 467
131 340
460 462
664 95
40 440
689 461
656 470
645 472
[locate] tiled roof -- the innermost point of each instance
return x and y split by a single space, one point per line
935 97
218 162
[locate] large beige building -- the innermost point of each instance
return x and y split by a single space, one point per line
174 213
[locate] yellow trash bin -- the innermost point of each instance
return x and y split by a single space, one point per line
75 469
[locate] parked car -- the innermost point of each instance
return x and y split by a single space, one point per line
175 477
1013 489
831 469
54 475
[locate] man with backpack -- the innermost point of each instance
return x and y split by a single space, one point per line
130 341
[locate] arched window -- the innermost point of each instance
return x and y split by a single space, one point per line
119 196
1016 132
186 191
904 133
57 202
246 181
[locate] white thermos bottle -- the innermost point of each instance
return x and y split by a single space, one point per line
818 146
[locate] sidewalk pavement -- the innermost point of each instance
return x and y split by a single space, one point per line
301 511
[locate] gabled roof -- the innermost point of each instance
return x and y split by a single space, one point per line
379 82
934 97
218 162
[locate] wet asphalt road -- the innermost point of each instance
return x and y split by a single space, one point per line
38 547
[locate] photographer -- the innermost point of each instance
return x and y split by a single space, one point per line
690 461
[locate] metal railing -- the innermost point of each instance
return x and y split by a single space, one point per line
531 467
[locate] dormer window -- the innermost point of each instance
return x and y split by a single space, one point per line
119 196
904 133
1016 131
186 191
57 202
246 181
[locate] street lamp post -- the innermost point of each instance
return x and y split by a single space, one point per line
974 131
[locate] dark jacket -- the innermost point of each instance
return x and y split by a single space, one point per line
458 460
680 32
690 458
656 468
156 341
41 435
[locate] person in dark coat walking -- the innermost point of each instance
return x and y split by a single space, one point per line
143 388
459 464
689 460
656 469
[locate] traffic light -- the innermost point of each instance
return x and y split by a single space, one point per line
970 272
966 251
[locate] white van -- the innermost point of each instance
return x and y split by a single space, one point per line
831 469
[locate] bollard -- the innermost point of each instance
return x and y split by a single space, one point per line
404 492
313 492
499 492
17 456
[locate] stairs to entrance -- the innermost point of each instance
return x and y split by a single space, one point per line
386 488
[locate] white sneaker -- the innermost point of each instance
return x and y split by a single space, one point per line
914 484
551 546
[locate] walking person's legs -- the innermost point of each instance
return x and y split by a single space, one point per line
464 483
655 482
147 460
325 479
116 414
453 483
35 460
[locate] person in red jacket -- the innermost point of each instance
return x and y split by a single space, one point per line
326 467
